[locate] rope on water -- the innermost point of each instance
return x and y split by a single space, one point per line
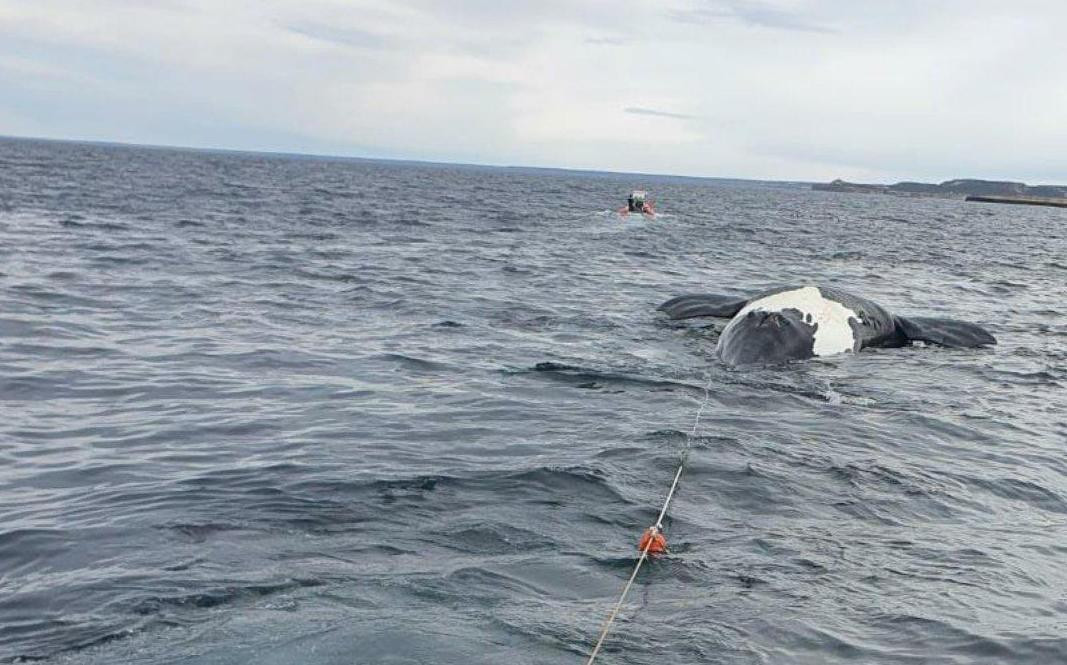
653 534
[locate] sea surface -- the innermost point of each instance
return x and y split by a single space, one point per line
271 409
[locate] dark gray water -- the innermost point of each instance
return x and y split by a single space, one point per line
278 410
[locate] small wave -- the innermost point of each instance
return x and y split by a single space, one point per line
415 363
53 637
492 539
78 222
215 597
846 256
1017 489
341 277
63 275
200 532
580 377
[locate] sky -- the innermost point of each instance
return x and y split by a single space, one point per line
864 90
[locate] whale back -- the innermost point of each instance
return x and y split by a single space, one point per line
795 323
872 324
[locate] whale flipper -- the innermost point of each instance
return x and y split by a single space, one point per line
703 304
943 332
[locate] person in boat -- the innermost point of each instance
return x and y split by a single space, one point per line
637 202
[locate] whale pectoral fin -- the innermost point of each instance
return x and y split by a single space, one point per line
943 332
703 304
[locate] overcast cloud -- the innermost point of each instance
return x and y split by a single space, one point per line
789 89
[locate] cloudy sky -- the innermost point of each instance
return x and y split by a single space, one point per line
785 89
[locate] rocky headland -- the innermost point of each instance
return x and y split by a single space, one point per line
991 191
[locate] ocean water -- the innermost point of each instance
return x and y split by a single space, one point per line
267 409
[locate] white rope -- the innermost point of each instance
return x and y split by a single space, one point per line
655 529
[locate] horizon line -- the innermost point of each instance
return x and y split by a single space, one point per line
400 160
433 162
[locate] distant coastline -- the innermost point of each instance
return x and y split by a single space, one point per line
987 191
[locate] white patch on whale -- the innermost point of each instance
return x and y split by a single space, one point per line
833 334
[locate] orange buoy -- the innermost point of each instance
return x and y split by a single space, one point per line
653 539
